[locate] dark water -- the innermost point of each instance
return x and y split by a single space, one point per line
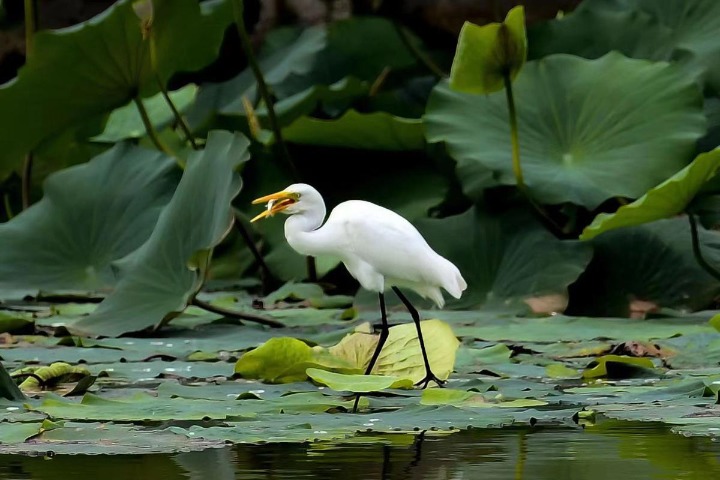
616 451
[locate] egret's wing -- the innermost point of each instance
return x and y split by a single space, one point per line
384 240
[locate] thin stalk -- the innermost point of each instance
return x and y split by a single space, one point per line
517 168
149 127
249 317
697 252
421 56
31 22
8 208
262 266
178 117
238 9
26 180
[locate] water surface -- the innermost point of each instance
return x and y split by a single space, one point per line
614 450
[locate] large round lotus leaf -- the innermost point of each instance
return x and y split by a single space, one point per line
640 269
101 64
91 215
163 274
682 31
589 129
509 261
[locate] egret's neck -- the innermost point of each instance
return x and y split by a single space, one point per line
301 231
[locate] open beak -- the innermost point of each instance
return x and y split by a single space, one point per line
276 202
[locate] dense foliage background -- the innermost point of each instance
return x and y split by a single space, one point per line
134 140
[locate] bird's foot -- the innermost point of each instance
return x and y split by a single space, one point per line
430 377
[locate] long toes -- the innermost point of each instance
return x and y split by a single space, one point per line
430 378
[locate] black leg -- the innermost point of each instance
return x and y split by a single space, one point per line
429 375
381 341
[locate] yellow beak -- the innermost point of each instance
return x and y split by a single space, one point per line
277 202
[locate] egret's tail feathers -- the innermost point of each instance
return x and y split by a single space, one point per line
454 282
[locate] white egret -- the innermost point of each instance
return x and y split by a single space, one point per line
379 248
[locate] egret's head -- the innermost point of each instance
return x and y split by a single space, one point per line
297 198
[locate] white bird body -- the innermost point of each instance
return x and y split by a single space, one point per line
379 248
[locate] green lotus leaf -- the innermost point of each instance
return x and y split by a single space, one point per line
285 360
357 383
401 356
681 31
302 66
485 55
666 200
589 129
288 52
424 188
110 66
639 270
611 366
450 396
8 388
366 131
125 122
168 269
509 261
91 215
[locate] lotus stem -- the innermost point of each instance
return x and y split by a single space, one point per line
150 129
31 23
517 168
26 180
262 266
8 208
178 117
697 252
419 55
249 317
238 9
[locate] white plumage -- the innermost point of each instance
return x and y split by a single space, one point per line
379 248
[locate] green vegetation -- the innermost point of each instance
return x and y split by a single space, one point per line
570 172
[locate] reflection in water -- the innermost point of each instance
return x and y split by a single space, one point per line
613 449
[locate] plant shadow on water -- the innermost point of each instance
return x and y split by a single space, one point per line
632 450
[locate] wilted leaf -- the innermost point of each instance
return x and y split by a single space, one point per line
401 355
54 374
486 54
357 383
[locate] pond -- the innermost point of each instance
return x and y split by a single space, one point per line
609 450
